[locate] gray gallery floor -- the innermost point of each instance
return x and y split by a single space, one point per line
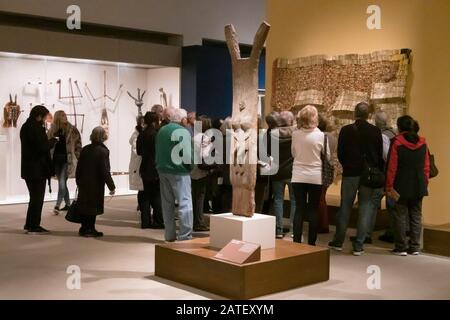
120 265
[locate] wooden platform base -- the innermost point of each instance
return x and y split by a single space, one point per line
287 266
436 240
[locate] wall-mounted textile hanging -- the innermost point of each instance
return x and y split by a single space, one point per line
335 84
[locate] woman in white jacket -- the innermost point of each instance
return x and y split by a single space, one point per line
307 147
135 179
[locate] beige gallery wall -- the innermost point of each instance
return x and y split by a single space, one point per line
308 27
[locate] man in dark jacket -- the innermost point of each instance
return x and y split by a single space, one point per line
36 165
145 145
93 172
357 142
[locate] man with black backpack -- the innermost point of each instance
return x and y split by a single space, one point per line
360 152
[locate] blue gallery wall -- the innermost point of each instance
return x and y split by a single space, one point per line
206 79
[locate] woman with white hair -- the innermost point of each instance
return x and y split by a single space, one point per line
307 147
93 172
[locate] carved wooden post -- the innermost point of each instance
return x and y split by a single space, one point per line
243 155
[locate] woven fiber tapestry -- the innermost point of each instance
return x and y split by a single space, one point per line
335 84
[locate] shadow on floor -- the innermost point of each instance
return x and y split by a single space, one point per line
106 237
90 276
118 223
52 233
323 291
180 286
129 239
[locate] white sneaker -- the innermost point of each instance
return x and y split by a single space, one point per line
398 252
413 252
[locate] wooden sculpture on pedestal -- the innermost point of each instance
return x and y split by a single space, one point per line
244 120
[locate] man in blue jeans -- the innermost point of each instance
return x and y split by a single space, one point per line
358 141
387 132
174 164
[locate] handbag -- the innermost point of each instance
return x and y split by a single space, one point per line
72 214
433 169
371 176
327 167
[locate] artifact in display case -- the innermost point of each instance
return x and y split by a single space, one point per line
138 101
39 90
163 97
78 115
244 120
336 84
104 120
72 98
11 113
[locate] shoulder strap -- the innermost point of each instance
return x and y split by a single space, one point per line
325 143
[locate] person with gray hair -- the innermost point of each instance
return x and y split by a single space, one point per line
388 133
382 122
93 172
98 135
166 114
159 110
360 145
182 118
286 119
174 169
191 117
272 120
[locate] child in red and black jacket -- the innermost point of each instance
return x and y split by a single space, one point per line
408 171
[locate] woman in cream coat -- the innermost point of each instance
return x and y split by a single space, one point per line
135 179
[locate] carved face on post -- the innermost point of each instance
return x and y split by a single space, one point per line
244 121
11 113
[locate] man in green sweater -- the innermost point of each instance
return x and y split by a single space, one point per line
174 164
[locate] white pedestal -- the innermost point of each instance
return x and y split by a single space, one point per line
259 229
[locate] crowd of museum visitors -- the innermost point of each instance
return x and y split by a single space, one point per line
375 162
